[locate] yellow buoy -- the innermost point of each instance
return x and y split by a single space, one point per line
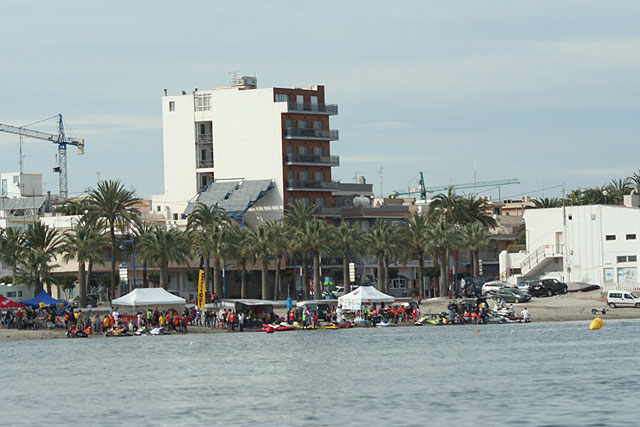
596 323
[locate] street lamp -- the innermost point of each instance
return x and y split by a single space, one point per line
133 257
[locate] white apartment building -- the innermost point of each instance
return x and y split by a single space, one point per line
16 184
247 137
597 244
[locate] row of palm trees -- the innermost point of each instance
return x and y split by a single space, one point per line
611 193
108 216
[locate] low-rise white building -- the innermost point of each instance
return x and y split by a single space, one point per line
595 244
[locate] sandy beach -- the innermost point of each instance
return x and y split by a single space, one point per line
560 308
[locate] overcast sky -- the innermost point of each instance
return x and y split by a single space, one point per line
544 91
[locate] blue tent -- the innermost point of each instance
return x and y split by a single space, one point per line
46 299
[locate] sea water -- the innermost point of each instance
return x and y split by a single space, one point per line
526 375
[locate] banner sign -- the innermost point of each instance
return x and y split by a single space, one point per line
202 293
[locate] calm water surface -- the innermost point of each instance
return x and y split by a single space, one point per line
525 375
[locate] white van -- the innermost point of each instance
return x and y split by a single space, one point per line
622 299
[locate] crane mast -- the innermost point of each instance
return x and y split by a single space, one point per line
61 139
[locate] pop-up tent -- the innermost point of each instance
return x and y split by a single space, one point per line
143 298
363 295
44 298
7 304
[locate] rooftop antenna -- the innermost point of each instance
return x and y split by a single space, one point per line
21 161
355 176
234 77
381 190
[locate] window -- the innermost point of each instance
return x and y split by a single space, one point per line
158 208
627 258
321 202
611 237
303 124
175 216
172 105
303 176
570 217
289 123
4 191
282 97
318 176
631 237
314 100
290 149
305 201
203 102
632 258
317 124
16 179
300 99
291 175
303 150
318 151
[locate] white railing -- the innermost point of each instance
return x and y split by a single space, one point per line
542 253
621 287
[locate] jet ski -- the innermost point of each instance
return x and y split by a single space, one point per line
117 331
280 327
77 333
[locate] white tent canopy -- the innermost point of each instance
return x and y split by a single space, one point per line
149 298
363 295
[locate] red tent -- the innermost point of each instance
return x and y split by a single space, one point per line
6 303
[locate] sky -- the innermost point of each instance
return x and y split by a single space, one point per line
545 91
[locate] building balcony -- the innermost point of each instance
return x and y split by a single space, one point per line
332 211
204 138
312 160
203 164
316 134
297 185
328 109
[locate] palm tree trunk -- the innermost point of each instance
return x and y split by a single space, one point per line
305 279
317 287
114 278
89 272
380 275
82 285
217 283
276 287
265 272
386 274
345 273
444 282
420 277
243 279
145 278
207 275
164 274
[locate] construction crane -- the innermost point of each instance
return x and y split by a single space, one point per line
424 190
61 139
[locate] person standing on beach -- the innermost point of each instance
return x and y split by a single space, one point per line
525 315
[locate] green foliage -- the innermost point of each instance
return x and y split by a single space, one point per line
432 272
154 277
65 281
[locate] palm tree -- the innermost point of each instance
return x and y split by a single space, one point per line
141 229
41 246
164 246
547 203
447 207
260 241
442 237
380 239
11 243
84 244
617 189
574 198
111 202
241 251
280 249
296 218
473 209
205 224
417 242
475 237
347 241
315 237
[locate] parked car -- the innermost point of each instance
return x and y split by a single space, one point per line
554 287
92 300
490 288
622 299
512 295
535 288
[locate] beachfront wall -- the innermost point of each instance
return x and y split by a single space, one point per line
595 244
